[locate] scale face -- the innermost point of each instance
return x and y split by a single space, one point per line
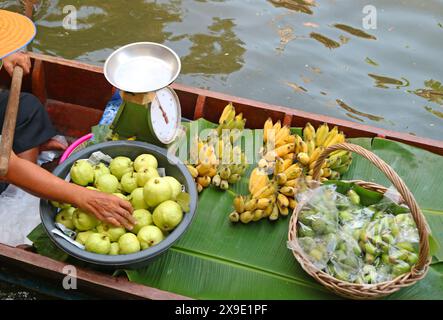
165 115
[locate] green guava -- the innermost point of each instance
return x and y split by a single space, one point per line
149 236
145 175
156 191
143 218
120 165
137 199
98 243
107 183
129 182
128 243
144 161
167 215
65 218
82 173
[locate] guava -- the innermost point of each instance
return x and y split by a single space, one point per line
60 205
65 218
149 236
114 233
115 248
128 243
83 236
100 169
120 165
137 199
82 173
84 221
121 196
167 215
98 243
107 183
156 191
143 218
144 161
145 175
176 186
129 182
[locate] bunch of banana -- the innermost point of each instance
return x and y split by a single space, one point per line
230 173
279 143
260 203
206 167
314 143
211 167
230 120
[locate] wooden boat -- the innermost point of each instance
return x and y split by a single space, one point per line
75 94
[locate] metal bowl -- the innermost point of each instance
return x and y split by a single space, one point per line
131 149
142 67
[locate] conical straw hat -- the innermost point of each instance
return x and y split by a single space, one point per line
16 31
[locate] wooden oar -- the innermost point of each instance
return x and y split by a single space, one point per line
10 120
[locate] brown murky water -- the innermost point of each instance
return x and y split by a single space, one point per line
306 54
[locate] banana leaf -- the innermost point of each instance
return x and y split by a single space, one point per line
218 260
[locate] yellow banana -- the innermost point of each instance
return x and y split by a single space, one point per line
298 144
303 158
277 127
257 215
280 151
274 214
239 204
311 147
322 133
331 135
303 147
234 217
281 179
284 211
293 172
327 172
287 191
291 183
268 125
193 171
204 181
315 154
281 136
267 212
279 166
227 112
257 180
251 205
282 200
212 172
246 217
338 138
263 203
203 169
264 192
289 156
292 203
290 139
308 132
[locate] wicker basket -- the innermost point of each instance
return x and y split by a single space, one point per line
368 291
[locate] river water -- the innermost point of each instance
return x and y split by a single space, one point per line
319 56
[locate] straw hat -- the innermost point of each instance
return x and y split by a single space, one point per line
16 31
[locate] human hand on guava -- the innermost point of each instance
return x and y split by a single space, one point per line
108 208
17 59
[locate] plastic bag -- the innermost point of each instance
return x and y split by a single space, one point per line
19 214
352 242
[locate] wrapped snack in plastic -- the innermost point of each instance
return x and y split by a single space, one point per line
352 242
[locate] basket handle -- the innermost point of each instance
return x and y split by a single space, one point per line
409 199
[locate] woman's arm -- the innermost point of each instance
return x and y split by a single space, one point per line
43 184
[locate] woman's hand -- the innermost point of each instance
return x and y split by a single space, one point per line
17 59
106 207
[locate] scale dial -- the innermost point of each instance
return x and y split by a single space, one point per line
165 115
